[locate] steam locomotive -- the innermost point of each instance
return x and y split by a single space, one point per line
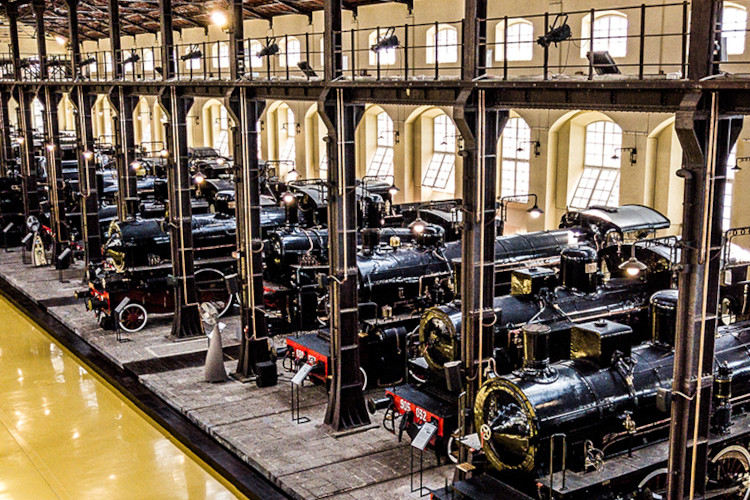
138 266
596 425
582 294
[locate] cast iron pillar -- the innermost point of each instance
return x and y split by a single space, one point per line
480 129
474 45
254 347
346 403
236 44
187 322
6 145
124 140
51 148
332 46
706 138
84 101
23 96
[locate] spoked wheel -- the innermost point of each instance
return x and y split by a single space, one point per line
212 287
729 476
654 485
451 447
133 317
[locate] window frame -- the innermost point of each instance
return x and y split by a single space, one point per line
381 164
521 46
286 56
512 159
447 51
442 165
601 173
737 39
605 43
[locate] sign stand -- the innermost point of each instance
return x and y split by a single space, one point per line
420 442
297 381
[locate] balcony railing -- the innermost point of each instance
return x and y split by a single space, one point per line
598 44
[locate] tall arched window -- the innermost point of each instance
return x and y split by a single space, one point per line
520 40
148 60
286 139
726 212
600 180
108 63
733 26
444 44
381 164
37 115
387 56
441 169
516 148
220 55
255 60
610 33
144 121
291 52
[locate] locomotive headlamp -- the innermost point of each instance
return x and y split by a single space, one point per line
292 175
535 212
418 226
164 153
287 197
633 267
393 190
199 178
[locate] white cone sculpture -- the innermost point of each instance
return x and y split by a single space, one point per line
214 370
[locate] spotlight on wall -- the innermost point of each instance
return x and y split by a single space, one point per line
87 62
269 50
556 34
132 58
389 40
193 54
308 71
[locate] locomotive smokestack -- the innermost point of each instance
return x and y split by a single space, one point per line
535 348
370 239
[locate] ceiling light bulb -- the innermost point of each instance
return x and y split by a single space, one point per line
219 18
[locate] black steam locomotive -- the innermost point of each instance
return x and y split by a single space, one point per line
138 266
595 425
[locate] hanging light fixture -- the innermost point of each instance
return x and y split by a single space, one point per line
535 212
633 267
292 175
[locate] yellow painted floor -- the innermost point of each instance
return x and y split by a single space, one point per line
65 434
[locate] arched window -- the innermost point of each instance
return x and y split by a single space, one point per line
37 110
288 129
381 164
520 40
148 60
516 148
144 120
444 44
193 63
387 56
600 181
255 60
726 212
108 63
733 26
291 51
610 33
441 169
220 55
